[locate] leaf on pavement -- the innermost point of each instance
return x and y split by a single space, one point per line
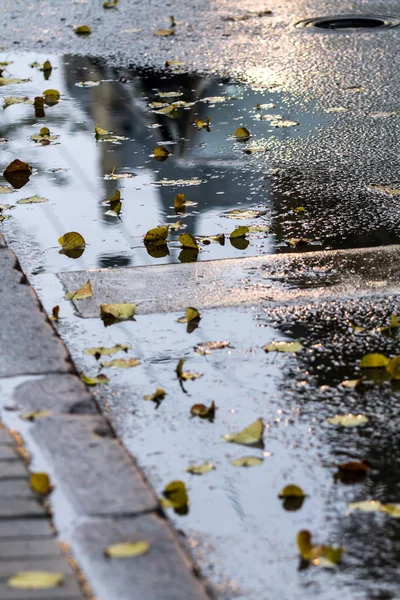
34 415
247 461
249 436
82 30
164 32
121 363
40 483
127 550
283 347
348 420
35 580
83 292
100 379
373 360
206 467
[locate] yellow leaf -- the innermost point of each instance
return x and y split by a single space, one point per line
375 506
247 461
175 496
394 367
394 323
242 134
127 550
321 556
100 131
351 384
102 351
239 232
40 483
298 209
188 241
206 467
160 153
193 181
292 491
83 30
16 100
283 123
121 363
192 314
71 241
304 544
298 242
100 379
47 66
83 292
158 395
283 347
243 213
34 415
373 360
120 312
32 200
111 4
348 420
253 434
164 32
156 236
208 347
203 411
356 328
35 580
51 96
200 124
185 375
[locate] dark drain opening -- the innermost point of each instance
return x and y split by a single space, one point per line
342 22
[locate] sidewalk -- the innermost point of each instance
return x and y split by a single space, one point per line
99 496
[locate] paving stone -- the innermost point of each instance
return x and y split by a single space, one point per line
20 507
94 471
164 573
28 344
69 588
25 528
7 453
5 437
231 282
59 393
15 488
36 548
12 469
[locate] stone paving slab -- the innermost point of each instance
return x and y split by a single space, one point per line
15 488
93 470
61 394
33 548
162 574
25 529
219 283
28 344
12 469
7 453
28 508
5 437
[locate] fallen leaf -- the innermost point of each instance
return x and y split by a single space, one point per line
298 242
84 292
71 241
100 379
254 149
160 153
292 491
250 436
208 347
185 375
43 136
373 360
87 84
8 101
348 420
12 80
110 4
4 189
32 200
156 397
47 66
180 181
258 228
188 241
54 313
103 135
127 549
35 580
175 496
192 314
239 232
156 236
17 173
388 190
102 351
337 109
356 328
82 30
383 114
34 415
394 324
394 367
214 99
177 225
203 411
111 313
116 176
318 555
375 506
283 347
206 467
283 123
242 134
51 96
243 213
40 483
247 461
200 124
298 209
180 201
121 363
356 89
164 32
352 471
173 94
352 384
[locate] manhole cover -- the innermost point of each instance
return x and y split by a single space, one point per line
341 22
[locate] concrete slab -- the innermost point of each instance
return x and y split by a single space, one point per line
25 529
5 437
212 284
162 573
15 488
31 548
93 470
7 453
11 508
28 344
13 469
61 393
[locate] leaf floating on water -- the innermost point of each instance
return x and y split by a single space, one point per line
208 347
100 379
352 384
177 225
373 360
72 241
318 555
51 96
32 200
348 420
298 209
174 94
103 135
200 124
180 201
206 467
383 114
102 351
180 182
54 313
394 367
352 471
298 242
247 461
12 80
83 30
239 232
121 363
242 134
87 84
283 123
127 550
394 324
83 292
160 153
185 375
337 109
243 213
116 176
203 411
35 580
214 99
188 241
35 415
164 32
4 189
375 506
157 397
40 483
175 496
192 314
16 100
111 313
388 190
17 173
250 436
292 491
283 347
156 236
99 131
